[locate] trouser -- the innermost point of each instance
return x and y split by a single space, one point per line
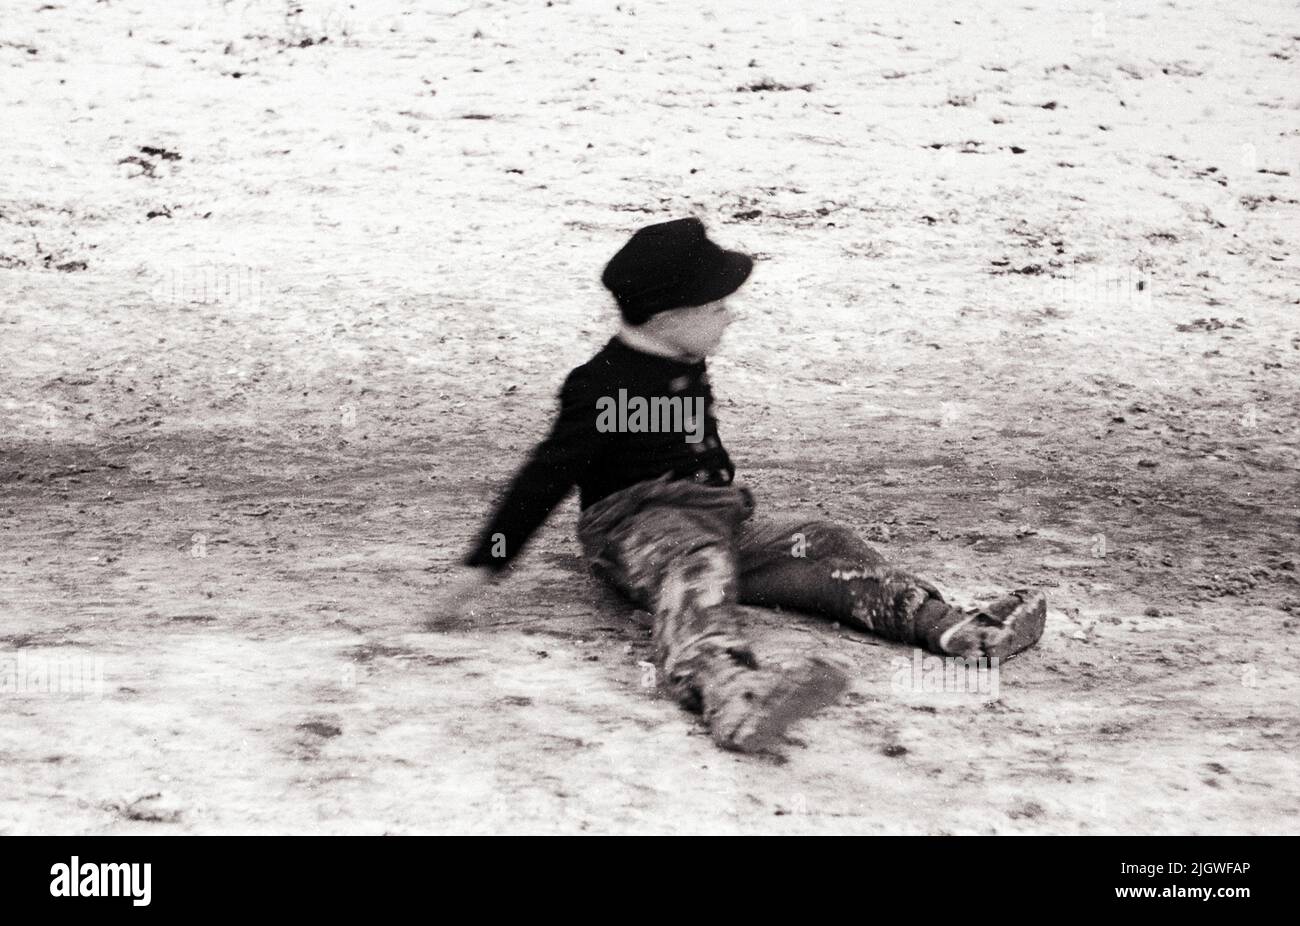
689 553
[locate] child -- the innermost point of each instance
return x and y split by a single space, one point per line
663 520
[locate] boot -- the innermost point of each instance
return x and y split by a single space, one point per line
749 710
1008 626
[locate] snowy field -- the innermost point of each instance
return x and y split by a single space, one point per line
287 291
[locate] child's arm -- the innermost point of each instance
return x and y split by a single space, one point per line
543 482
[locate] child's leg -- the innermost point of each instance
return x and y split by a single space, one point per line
822 567
679 562
680 565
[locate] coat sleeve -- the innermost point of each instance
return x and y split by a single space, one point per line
542 483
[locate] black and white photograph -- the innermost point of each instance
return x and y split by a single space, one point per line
561 417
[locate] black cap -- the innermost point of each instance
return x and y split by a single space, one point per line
672 265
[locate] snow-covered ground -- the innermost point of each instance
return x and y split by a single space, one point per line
286 291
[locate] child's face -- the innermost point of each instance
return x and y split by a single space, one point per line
695 330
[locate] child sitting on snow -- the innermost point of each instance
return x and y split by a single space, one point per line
664 521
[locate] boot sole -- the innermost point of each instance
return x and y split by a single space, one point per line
802 693
1011 624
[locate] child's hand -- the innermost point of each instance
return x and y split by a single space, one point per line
461 596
